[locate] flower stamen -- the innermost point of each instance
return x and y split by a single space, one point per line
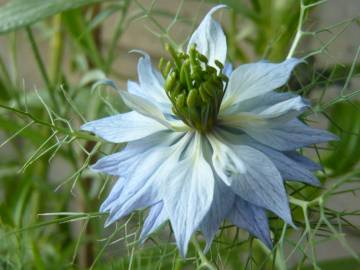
194 87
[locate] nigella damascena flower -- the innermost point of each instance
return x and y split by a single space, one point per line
207 144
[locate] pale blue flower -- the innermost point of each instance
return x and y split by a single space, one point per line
202 148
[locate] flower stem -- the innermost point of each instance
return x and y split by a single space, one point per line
42 68
205 263
57 50
299 32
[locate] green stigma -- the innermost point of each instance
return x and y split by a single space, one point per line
194 87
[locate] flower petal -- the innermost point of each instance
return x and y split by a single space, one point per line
120 163
124 127
228 69
134 88
279 113
114 193
289 169
262 183
149 109
219 210
210 39
156 217
142 186
143 181
259 182
227 164
151 81
258 103
290 136
303 161
150 84
291 165
251 80
188 194
252 219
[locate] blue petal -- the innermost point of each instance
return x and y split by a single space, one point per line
114 194
188 194
143 181
120 163
210 39
142 185
152 82
289 169
251 80
291 165
228 69
219 210
258 103
134 88
156 217
262 183
290 136
264 117
304 161
258 182
252 219
123 127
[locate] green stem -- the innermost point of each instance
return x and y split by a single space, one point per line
56 49
42 67
299 32
118 32
77 134
205 263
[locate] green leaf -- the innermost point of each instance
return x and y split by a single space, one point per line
343 263
20 13
345 122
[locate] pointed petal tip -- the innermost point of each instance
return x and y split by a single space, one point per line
292 224
327 136
267 242
86 127
334 137
216 8
315 183
108 222
94 168
142 238
141 52
104 208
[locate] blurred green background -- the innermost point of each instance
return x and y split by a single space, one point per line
50 54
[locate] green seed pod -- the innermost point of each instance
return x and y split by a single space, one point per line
174 54
193 98
180 101
185 74
219 64
202 58
177 90
167 69
170 82
196 73
210 88
211 70
203 95
161 65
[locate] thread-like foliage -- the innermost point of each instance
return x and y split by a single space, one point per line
49 199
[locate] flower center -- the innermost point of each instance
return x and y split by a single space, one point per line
194 87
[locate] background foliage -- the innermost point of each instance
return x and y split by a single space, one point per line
48 197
